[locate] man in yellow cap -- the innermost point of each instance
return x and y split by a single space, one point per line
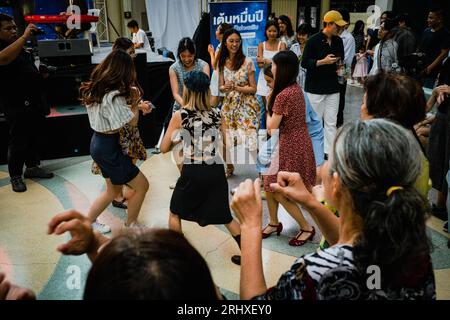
321 57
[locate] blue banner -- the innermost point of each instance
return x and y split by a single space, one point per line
248 17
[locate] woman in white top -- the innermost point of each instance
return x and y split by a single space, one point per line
266 51
216 95
107 96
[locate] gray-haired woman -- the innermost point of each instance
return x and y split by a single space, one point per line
381 230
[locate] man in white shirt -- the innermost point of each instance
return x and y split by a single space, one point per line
140 39
349 54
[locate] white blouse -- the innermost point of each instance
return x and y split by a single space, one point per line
110 115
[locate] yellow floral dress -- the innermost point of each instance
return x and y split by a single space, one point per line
241 111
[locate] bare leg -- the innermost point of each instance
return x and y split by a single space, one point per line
140 187
294 210
174 222
103 200
119 196
272 204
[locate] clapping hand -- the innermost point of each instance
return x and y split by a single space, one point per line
145 107
247 203
292 187
79 226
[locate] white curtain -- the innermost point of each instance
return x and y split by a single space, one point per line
171 20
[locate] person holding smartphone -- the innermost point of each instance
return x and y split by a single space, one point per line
322 53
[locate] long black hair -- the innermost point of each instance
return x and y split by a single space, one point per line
286 75
239 59
287 21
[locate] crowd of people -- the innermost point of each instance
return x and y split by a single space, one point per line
370 204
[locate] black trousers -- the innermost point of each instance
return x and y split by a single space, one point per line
340 116
25 127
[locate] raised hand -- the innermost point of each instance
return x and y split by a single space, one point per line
80 228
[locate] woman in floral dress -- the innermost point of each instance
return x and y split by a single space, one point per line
240 110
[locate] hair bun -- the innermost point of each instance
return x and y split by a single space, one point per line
197 81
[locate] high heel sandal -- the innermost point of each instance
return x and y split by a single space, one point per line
278 231
295 242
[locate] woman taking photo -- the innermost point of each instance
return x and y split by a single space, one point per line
382 223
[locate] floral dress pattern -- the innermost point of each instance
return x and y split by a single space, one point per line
240 111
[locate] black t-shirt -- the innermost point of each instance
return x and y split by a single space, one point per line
322 79
432 45
20 82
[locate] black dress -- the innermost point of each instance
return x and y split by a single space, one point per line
201 193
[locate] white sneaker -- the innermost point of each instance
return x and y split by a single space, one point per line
100 227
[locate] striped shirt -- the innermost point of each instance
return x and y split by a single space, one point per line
331 274
110 115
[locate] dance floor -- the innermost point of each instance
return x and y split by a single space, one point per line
30 259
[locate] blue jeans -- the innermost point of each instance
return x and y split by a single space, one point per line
265 154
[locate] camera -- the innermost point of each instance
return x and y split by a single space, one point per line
37 32
45 69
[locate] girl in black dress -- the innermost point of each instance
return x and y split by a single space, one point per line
201 193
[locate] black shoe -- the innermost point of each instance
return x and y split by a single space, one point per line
236 260
119 204
37 172
440 213
18 185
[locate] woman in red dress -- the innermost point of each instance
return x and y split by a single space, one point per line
295 152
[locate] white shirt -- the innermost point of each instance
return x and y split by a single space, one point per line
110 115
349 47
141 37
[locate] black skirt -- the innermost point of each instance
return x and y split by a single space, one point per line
114 164
201 195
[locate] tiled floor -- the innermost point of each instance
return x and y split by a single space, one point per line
30 259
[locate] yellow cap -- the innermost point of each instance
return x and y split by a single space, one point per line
336 17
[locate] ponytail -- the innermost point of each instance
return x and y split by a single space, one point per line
393 236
